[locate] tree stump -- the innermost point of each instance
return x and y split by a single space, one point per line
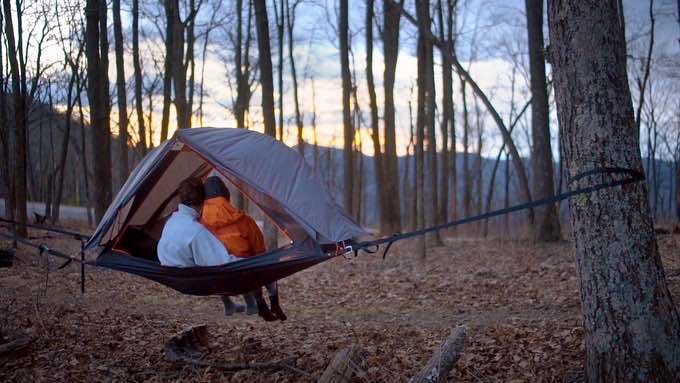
189 344
343 367
443 359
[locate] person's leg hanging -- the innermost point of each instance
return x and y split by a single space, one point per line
273 289
262 308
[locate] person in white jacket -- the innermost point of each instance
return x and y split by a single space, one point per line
185 242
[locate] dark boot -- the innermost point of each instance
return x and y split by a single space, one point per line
230 307
276 308
251 304
263 310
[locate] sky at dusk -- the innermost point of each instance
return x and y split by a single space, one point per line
490 33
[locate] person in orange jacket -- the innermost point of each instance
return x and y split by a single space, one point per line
242 237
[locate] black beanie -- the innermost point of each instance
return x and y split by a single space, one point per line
214 187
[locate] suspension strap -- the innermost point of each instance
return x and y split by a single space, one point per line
633 176
43 249
75 235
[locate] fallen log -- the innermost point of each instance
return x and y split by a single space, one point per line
345 364
443 359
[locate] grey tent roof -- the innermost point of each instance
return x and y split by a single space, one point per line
272 175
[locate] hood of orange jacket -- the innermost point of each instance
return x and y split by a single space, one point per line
219 212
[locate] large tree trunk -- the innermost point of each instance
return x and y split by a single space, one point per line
267 83
390 37
381 195
138 77
348 129
17 146
632 327
121 91
99 110
546 223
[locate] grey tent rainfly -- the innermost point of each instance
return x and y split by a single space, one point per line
273 176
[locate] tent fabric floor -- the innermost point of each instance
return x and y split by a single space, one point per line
519 300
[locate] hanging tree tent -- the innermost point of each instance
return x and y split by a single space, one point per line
270 174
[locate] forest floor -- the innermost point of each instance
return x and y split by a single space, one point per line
519 300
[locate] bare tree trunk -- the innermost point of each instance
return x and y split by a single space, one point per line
267 83
18 143
413 189
290 20
68 115
179 73
123 169
447 115
547 224
279 21
314 130
99 109
432 238
190 61
265 57
168 70
381 187
83 152
632 327
642 83
242 65
138 77
423 114
390 37
467 182
348 129
479 167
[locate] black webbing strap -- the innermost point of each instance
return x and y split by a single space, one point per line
633 176
76 235
43 249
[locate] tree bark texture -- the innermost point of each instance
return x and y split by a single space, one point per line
99 109
348 129
267 83
390 37
17 146
632 328
121 95
381 195
422 116
265 59
168 71
546 224
290 22
138 77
